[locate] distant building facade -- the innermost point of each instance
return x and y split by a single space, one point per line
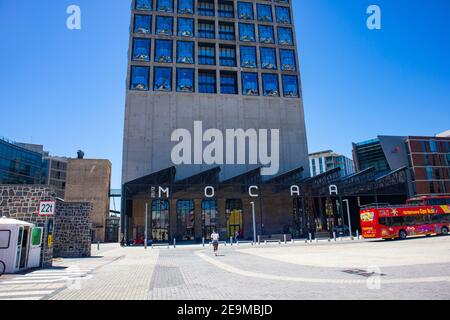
89 180
427 160
19 165
321 162
55 170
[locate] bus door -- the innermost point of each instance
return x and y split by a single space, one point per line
34 253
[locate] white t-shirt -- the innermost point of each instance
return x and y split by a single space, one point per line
215 236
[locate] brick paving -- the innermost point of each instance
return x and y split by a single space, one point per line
243 273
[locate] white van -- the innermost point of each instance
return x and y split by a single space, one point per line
20 245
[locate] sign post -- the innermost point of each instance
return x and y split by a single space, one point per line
46 209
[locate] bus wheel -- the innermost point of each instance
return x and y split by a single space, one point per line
444 231
402 234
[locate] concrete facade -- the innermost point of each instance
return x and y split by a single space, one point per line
151 117
89 181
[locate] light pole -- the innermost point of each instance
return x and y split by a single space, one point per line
146 226
348 216
254 221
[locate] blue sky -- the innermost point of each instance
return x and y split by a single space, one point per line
66 89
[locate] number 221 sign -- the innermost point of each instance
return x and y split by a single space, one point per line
47 208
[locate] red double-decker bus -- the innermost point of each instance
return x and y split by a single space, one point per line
420 216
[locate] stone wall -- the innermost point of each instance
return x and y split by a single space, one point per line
21 202
72 230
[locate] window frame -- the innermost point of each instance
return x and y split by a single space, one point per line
9 238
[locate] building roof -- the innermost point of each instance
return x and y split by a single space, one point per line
12 222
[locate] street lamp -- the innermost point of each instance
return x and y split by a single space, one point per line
349 220
254 221
146 226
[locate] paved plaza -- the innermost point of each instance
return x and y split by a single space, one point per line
417 268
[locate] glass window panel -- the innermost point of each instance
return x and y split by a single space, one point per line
206 30
228 84
268 58
164 25
142 24
185 80
210 218
163 51
207 81
228 56
264 12
164 5
139 78
287 58
206 8
206 54
144 5
163 79
246 32
250 84
36 237
226 9
185 27
290 86
270 85
285 36
141 49
248 57
283 14
5 236
266 34
245 10
185 52
186 6
160 220
186 220
226 31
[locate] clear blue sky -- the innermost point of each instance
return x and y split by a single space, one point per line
66 89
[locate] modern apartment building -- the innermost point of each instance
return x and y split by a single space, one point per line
323 161
226 64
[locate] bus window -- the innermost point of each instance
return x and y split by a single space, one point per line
445 218
397 221
384 222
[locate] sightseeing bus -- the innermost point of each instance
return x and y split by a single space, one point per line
420 216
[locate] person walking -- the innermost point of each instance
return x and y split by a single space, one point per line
215 241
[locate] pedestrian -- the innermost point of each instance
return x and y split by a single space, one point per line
215 241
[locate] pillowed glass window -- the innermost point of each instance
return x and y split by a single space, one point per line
185 52
210 218
206 30
266 34
144 5
248 57
250 84
186 6
246 32
226 31
268 58
139 78
163 51
227 56
142 24
228 83
185 27
245 10
206 8
264 12
141 49
287 58
270 85
290 86
160 220
164 26
207 81
185 80
226 9
283 14
163 79
164 5
207 54
185 220
285 36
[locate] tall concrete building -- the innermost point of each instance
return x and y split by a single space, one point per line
218 64
323 161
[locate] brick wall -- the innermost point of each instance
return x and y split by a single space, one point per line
72 230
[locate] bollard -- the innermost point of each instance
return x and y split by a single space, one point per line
310 237
231 240
203 241
174 243
317 240
357 234
98 245
306 240
334 236
285 239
